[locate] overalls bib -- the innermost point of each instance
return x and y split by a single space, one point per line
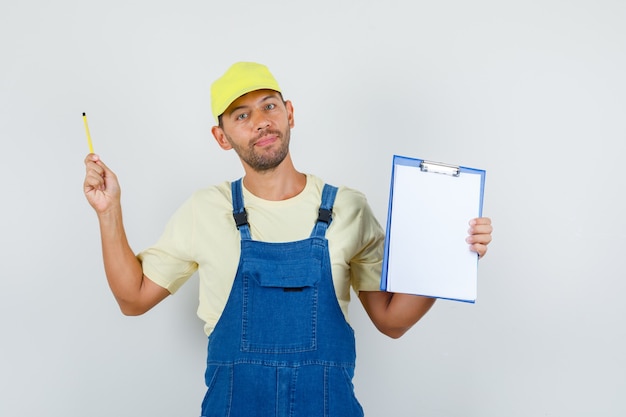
282 346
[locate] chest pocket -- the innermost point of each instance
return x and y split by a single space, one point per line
280 302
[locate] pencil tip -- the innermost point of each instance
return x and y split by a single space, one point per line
84 114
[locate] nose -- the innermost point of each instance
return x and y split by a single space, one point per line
260 120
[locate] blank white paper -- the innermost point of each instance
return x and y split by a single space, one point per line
429 222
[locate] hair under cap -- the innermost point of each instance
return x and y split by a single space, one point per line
239 79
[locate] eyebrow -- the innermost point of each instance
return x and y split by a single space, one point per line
265 98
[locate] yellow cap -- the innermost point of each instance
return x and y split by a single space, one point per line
239 79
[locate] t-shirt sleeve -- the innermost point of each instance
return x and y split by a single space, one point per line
366 263
170 262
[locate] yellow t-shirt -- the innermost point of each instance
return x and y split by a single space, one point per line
202 236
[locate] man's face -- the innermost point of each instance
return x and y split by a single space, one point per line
257 126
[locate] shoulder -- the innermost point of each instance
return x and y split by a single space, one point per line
346 196
351 203
210 198
351 208
205 201
351 197
216 192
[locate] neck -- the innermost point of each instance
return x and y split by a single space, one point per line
276 184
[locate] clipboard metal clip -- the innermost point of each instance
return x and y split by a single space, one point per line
439 168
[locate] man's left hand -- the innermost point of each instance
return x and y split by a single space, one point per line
479 235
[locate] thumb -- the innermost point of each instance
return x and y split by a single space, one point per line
96 159
99 175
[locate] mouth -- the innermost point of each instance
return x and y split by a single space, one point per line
266 140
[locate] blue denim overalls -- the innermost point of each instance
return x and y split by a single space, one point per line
282 346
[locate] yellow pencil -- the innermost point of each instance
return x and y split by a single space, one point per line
88 135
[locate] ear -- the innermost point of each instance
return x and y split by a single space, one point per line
289 107
220 137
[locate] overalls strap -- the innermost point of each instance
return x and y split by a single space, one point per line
323 220
239 211
325 216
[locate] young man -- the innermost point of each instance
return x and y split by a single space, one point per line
276 252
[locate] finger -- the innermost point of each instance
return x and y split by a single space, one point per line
94 175
484 229
480 221
92 165
480 225
98 172
480 249
94 179
92 157
483 239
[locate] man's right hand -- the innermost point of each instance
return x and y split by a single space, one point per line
135 293
101 186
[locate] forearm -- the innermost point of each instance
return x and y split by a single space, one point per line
404 310
123 269
394 313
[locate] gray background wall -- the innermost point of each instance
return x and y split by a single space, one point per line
532 91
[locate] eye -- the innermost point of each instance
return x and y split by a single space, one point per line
242 116
270 106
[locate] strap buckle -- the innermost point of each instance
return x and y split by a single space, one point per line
241 219
325 215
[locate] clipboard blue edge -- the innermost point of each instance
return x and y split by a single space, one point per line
415 162
397 160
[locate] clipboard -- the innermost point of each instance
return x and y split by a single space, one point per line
430 205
